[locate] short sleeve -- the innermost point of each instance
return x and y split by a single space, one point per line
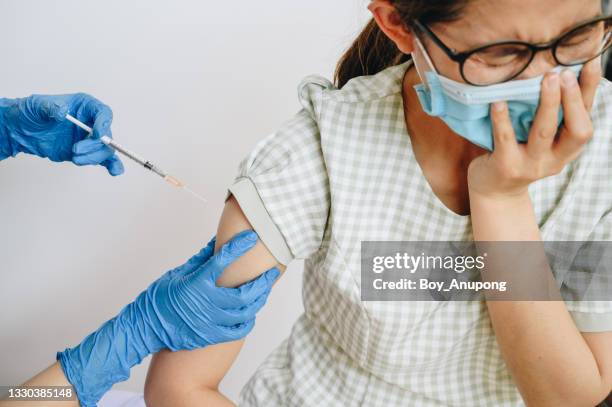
591 276
282 185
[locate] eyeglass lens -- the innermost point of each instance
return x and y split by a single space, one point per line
500 62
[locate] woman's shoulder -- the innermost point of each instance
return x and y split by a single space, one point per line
314 89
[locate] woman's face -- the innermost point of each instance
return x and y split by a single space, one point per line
486 21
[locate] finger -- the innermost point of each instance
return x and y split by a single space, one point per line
589 80
114 166
102 123
238 245
201 257
204 254
504 138
546 121
193 262
196 261
249 292
577 121
86 146
235 316
94 157
101 115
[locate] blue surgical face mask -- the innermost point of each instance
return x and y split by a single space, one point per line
466 108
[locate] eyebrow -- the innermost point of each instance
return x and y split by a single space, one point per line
470 46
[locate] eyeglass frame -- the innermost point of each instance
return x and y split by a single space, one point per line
461 57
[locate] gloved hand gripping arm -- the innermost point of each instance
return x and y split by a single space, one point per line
183 309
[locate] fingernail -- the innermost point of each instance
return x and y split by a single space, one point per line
552 80
499 106
568 78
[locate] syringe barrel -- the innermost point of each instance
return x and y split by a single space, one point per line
153 168
148 165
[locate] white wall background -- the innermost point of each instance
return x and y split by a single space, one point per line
193 85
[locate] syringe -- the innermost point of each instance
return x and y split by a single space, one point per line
135 157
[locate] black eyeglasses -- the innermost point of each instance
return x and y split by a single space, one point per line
502 61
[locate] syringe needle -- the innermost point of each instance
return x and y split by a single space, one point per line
135 157
193 193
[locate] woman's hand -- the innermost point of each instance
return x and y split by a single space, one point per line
511 167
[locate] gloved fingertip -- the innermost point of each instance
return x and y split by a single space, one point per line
116 172
212 241
80 160
273 273
244 240
209 249
114 166
250 235
205 253
239 244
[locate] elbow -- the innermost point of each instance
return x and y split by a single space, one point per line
163 395
586 397
592 398
156 395
162 391
165 391
568 387
601 396
172 396
597 393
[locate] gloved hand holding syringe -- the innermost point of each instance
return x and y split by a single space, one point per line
131 155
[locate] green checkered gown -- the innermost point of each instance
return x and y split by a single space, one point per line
342 170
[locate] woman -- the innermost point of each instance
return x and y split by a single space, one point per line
368 159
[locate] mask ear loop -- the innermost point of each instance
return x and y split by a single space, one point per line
426 57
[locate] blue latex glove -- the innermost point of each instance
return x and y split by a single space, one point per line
37 125
184 309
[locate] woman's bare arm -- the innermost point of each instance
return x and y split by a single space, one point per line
190 378
51 376
536 338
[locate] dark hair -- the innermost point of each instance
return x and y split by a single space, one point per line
373 51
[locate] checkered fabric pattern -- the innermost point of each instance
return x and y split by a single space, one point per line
342 170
